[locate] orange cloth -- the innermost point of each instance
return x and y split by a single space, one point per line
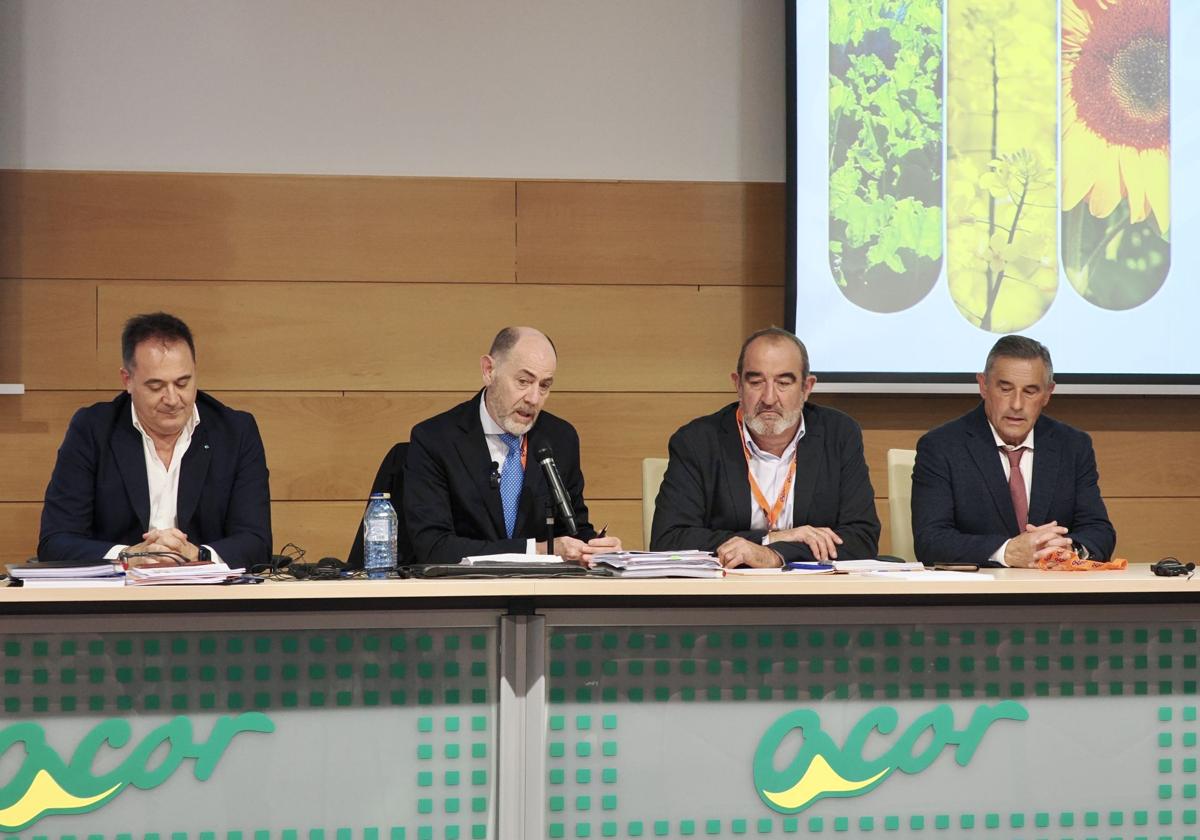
1065 560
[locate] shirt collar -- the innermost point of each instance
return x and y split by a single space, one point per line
756 452
188 427
1027 443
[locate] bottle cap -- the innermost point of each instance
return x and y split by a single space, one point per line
381 495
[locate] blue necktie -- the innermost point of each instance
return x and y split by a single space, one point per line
511 478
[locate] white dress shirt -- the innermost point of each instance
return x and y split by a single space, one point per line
770 471
163 479
1026 475
499 452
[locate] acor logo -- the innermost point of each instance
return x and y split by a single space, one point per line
821 768
45 785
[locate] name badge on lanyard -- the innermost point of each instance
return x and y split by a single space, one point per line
771 511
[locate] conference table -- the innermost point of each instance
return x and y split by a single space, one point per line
1009 704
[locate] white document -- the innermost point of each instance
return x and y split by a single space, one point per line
517 559
876 566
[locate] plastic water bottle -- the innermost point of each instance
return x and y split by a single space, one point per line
380 525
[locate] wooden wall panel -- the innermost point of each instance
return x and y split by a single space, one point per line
327 445
653 233
648 289
393 337
159 226
48 334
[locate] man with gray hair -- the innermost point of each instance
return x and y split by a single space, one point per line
771 478
472 483
1005 485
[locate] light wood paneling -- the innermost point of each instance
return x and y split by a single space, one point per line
48 334
19 525
327 446
159 226
325 336
654 233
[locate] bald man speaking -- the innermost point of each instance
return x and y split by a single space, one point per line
472 482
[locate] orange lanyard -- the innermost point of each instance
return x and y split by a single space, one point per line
772 512
524 449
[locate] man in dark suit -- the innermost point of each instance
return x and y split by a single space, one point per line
1004 485
472 482
163 467
771 478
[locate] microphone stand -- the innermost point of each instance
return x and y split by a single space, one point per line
549 526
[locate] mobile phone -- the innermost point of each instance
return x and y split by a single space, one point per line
956 567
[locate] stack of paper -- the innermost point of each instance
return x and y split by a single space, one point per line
654 564
169 572
63 576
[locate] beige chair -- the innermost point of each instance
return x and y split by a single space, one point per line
653 470
899 472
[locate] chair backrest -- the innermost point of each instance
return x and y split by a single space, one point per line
899 471
389 479
653 470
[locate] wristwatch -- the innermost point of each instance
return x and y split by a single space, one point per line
1081 550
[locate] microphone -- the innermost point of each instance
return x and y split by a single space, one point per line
545 456
494 478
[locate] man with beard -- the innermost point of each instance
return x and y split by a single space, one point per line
472 483
1005 485
771 478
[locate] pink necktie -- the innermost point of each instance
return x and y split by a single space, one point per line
1016 487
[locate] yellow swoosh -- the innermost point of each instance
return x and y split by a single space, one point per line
819 778
44 795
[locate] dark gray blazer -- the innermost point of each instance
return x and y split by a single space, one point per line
705 495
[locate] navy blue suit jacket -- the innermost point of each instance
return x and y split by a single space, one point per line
99 495
961 508
451 508
705 495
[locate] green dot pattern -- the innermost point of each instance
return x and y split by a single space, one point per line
444 680
593 673
214 672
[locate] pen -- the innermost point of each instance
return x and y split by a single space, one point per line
603 531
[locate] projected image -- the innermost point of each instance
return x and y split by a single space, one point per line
1002 127
885 150
1116 103
961 169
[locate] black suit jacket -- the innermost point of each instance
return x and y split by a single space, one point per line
99 495
452 508
705 495
961 507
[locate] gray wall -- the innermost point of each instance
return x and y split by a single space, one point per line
579 89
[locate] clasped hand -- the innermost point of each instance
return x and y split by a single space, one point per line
164 539
1038 541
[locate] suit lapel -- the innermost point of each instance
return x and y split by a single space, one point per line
982 447
477 463
733 461
193 472
1046 458
130 457
808 465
